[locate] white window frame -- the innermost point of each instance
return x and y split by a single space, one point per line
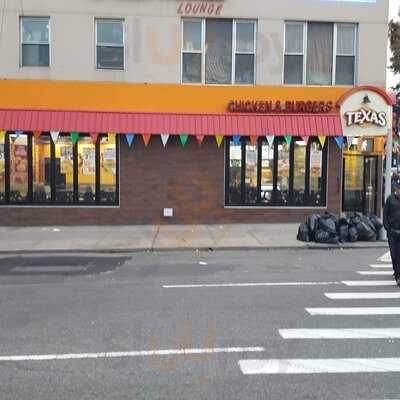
334 52
21 39
109 20
203 52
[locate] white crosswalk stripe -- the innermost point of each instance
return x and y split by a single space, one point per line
385 258
354 311
381 266
363 295
366 333
370 283
320 366
375 273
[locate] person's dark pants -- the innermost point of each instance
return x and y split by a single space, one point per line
394 244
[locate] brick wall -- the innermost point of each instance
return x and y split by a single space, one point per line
189 180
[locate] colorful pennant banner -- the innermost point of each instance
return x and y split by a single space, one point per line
184 138
254 140
305 139
164 139
288 139
129 138
18 134
93 137
339 141
236 139
200 139
146 139
349 141
322 140
270 140
2 136
219 139
74 137
54 136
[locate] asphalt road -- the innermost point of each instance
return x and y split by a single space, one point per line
185 325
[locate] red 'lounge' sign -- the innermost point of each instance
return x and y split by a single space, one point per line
200 8
288 106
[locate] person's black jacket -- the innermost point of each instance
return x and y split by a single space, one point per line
391 213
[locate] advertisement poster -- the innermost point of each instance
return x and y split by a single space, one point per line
316 163
88 161
109 161
19 165
66 160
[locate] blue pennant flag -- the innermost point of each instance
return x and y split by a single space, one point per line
129 138
18 134
236 139
339 141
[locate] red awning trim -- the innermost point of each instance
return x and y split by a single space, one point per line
172 123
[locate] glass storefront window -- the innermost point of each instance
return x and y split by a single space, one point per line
64 170
316 162
235 177
42 175
19 168
279 174
299 172
86 170
283 173
267 173
251 173
2 169
108 170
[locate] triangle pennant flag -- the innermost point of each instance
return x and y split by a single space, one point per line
236 139
93 137
305 139
184 139
74 137
200 139
18 134
339 141
253 140
322 140
36 134
288 139
2 136
54 136
146 139
349 141
129 138
219 139
111 136
270 140
164 139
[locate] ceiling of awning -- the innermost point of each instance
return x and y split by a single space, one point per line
171 123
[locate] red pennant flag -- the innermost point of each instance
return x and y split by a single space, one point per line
200 139
253 140
36 134
305 139
146 139
93 137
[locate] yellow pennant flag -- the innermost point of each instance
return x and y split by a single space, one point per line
111 136
322 140
2 136
219 139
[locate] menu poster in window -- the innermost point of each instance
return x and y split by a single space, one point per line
66 159
88 161
109 161
315 163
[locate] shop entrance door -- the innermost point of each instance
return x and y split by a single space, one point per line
360 183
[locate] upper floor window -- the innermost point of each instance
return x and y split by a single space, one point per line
320 53
110 44
35 42
218 51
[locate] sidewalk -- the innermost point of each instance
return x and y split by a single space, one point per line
159 238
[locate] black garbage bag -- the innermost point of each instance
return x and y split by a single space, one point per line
303 233
375 221
353 218
344 232
342 221
312 223
322 236
365 232
327 224
353 234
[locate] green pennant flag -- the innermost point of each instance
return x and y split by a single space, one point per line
288 139
184 139
74 137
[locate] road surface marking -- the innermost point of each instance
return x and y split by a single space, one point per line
378 333
381 266
319 366
370 273
385 258
363 296
145 353
216 285
354 311
370 283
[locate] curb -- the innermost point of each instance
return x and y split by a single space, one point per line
195 249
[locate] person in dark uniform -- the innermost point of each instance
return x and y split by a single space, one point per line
391 221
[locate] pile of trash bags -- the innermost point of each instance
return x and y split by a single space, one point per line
328 228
